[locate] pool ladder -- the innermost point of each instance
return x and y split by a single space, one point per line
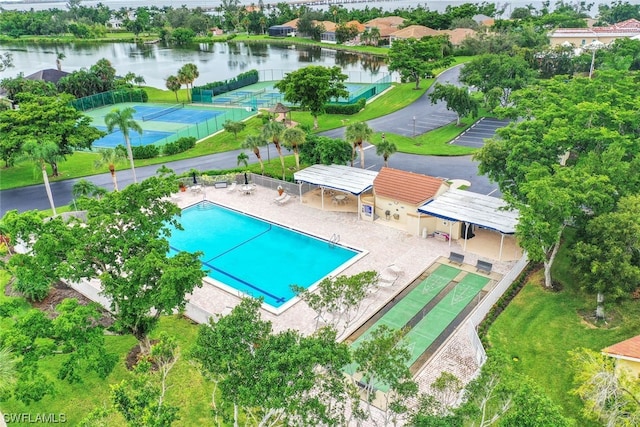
335 238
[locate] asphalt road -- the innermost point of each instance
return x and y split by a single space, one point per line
427 117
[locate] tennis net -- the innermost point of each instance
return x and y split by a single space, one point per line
157 114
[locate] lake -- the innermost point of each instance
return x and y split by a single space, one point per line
215 61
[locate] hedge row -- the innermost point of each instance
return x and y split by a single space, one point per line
179 146
347 109
217 88
504 301
151 151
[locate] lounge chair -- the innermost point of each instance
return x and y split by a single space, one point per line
284 200
280 198
389 275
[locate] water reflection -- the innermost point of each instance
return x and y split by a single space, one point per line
215 61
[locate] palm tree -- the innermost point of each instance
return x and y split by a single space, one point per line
174 84
187 75
293 138
254 142
273 130
243 159
139 80
111 156
385 149
374 36
123 120
40 152
356 134
59 57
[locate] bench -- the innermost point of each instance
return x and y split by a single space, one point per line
456 258
220 184
484 267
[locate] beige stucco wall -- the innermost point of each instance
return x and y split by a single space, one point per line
401 209
633 368
580 40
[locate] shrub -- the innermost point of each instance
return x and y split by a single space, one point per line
183 144
145 152
347 109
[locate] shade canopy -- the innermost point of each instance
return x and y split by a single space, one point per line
478 209
279 109
337 177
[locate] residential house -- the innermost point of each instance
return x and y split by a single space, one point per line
386 26
419 31
583 36
627 353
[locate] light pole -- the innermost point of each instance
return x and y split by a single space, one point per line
414 125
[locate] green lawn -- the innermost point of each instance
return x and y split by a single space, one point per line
187 388
541 327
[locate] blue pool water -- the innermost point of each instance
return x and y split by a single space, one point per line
256 257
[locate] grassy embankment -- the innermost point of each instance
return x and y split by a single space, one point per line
540 327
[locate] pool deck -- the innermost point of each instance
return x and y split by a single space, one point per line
385 244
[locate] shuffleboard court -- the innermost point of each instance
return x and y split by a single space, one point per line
398 316
421 336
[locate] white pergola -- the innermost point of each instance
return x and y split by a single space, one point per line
337 177
473 208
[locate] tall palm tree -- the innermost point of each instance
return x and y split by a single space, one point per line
385 149
356 134
173 84
40 152
187 75
272 130
293 138
254 142
111 156
123 120
59 57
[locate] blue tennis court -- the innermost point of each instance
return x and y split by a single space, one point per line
181 115
113 139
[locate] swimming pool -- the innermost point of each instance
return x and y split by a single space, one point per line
256 257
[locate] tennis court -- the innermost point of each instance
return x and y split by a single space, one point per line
174 114
115 138
164 123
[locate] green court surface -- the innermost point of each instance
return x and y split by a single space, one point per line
436 319
405 309
421 336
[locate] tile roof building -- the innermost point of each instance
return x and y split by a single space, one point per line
582 36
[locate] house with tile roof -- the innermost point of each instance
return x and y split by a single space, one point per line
398 194
583 36
419 31
627 353
385 25
413 32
